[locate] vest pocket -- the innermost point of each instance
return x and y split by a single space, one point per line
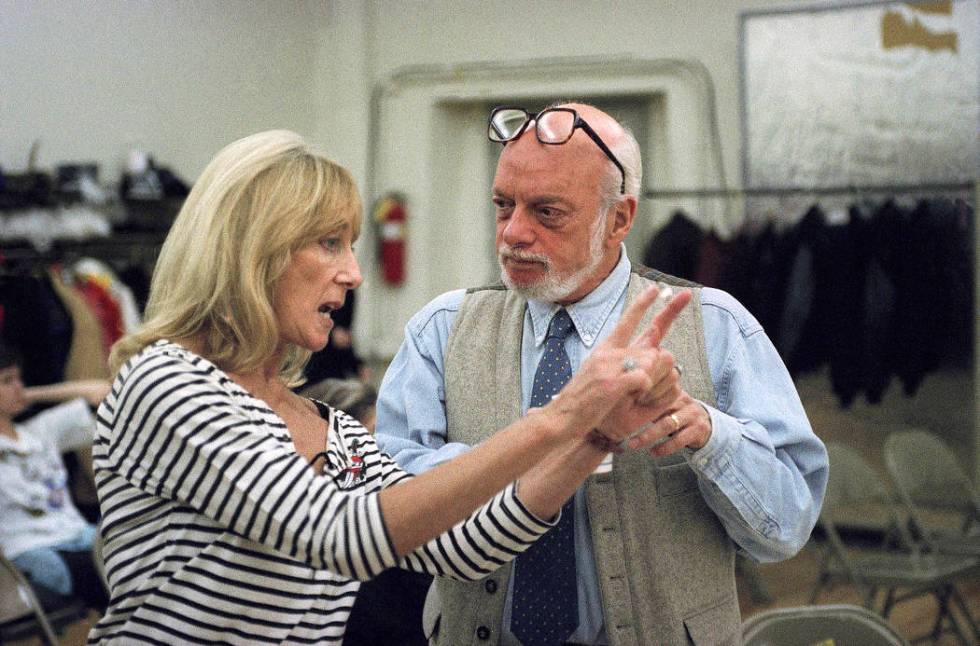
718 624
675 476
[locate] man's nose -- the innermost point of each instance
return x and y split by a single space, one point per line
519 229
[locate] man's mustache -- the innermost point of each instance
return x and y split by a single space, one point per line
509 253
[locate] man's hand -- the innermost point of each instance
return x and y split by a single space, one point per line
618 369
632 414
685 424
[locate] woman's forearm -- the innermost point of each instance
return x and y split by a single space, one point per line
424 507
547 485
431 503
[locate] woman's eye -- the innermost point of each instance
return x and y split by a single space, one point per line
331 244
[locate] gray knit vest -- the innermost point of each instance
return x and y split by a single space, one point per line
664 562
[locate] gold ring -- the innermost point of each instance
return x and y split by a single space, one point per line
677 422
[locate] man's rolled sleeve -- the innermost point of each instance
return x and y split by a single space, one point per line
763 470
411 408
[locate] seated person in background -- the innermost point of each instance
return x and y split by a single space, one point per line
354 397
41 531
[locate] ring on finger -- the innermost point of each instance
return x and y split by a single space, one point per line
629 363
677 422
679 369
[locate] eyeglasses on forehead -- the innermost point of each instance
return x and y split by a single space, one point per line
552 126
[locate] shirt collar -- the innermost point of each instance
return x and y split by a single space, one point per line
588 314
24 443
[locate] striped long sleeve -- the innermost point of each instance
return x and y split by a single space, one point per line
218 531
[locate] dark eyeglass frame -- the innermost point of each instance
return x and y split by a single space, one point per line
495 135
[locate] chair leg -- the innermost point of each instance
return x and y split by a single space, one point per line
889 603
965 611
869 599
821 580
753 578
943 615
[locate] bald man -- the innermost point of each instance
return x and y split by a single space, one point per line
644 551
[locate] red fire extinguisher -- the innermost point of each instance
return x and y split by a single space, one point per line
391 217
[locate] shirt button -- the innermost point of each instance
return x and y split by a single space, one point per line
490 586
483 633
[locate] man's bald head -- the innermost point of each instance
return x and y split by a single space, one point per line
560 216
620 141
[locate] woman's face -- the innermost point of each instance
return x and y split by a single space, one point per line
315 284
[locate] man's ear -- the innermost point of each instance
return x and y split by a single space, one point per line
624 211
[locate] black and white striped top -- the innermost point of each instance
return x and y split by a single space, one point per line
217 531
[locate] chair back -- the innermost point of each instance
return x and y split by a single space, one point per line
20 610
856 495
840 625
928 475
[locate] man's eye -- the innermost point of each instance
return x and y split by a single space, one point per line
501 208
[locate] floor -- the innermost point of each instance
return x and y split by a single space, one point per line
789 584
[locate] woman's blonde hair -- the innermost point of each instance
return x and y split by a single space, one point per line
260 199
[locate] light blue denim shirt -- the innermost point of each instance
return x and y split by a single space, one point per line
763 471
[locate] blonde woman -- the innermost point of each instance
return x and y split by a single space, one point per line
236 511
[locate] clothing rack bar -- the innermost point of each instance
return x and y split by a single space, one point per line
787 191
139 248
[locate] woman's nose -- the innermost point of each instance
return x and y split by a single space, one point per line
350 275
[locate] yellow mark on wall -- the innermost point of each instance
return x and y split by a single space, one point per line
944 7
898 31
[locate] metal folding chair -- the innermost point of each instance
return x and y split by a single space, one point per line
21 613
901 574
942 502
839 624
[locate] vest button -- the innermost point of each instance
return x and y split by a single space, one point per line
490 586
483 633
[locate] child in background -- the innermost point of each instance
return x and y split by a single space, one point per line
41 530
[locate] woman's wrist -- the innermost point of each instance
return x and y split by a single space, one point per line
553 424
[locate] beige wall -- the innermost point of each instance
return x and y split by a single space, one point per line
393 36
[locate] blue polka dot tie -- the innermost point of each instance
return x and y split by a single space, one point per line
545 603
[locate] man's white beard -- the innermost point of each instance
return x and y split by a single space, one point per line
551 287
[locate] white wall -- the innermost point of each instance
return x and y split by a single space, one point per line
833 99
179 79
